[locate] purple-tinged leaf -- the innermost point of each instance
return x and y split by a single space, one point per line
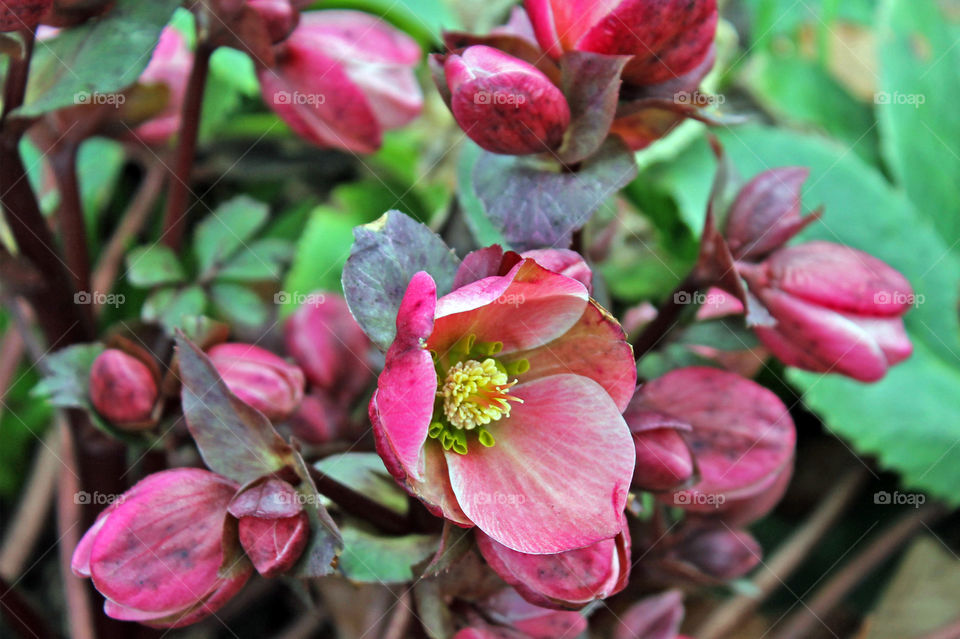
235 440
386 254
591 83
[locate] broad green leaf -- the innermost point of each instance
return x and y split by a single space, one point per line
170 307
239 305
234 439
100 56
99 163
422 19
909 419
371 558
225 230
386 254
149 266
365 473
918 109
261 261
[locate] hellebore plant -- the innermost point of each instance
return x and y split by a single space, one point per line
490 407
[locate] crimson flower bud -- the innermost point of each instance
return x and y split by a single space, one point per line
836 309
666 38
331 348
504 104
273 527
122 389
278 16
319 420
664 460
259 378
721 553
342 78
16 15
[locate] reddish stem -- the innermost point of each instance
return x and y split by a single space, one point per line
668 317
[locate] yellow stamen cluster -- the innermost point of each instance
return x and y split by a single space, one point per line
476 393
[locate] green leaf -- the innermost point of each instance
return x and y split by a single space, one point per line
385 256
917 107
365 473
370 558
262 261
480 225
149 266
66 382
422 19
169 307
239 305
234 439
100 56
225 230
23 423
909 419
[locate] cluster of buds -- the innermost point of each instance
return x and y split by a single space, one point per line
516 91
826 307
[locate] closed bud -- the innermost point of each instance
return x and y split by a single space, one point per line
319 420
721 553
279 17
836 309
123 389
504 104
273 527
331 348
664 460
667 38
18 15
169 68
766 213
259 378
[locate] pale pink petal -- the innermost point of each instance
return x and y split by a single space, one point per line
566 439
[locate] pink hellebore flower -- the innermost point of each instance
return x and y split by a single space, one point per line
500 407
564 262
169 66
342 78
837 309
258 377
504 104
156 552
667 38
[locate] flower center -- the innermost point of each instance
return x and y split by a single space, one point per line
476 393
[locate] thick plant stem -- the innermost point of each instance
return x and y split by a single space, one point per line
668 316
73 229
175 217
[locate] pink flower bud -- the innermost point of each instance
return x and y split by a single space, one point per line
170 67
567 580
342 78
17 15
504 104
721 553
279 17
656 617
122 389
330 347
508 616
156 552
667 38
766 213
836 309
273 527
319 420
259 378
564 262
664 459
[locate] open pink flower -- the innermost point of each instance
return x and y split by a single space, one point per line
156 553
500 406
342 78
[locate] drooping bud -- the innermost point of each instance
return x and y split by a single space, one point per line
667 38
19 15
766 213
720 552
504 104
656 617
664 459
259 378
123 389
273 527
837 309
278 16
331 348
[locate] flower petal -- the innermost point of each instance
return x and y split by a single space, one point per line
528 307
408 385
543 488
594 347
